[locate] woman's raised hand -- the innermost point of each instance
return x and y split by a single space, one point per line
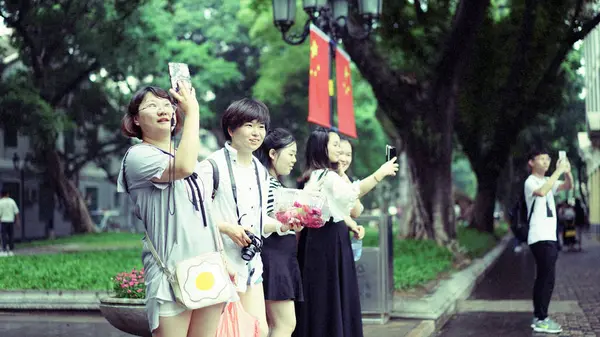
186 98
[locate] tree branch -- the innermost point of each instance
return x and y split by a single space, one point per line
469 139
419 12
78 79
586 28
575 35
18 26
520 63
388 86
109 176
79 161
537 99
466 23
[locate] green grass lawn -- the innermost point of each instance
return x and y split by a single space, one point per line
69 271
416 262
91 240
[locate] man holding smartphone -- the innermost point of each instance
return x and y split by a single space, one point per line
542 239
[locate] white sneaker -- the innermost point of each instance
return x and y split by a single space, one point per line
10 253
3 254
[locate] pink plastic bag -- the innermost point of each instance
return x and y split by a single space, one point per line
236 322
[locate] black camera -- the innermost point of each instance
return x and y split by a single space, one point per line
253 247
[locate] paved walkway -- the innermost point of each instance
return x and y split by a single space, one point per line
501 304
92 324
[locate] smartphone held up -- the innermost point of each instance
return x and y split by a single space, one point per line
562 155
179 72
390 152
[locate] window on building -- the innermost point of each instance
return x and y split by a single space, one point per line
11 137
91 198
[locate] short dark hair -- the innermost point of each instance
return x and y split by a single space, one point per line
534 152
277 139
5 192
243 111
128 127
346 139
317 156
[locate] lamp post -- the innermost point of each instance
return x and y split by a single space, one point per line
20 165
331 17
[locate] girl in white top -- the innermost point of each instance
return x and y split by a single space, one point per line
366 185
331 304
164 189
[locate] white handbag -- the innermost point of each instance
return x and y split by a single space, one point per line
200 281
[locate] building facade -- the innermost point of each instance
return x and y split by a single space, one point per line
42 213
589 141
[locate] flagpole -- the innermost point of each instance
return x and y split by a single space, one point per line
332 90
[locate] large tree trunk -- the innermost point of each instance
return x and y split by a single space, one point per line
429 152
431 208
485 201
68 193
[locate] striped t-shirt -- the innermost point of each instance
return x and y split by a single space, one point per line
273 185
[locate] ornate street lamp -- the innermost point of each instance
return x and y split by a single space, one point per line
331 16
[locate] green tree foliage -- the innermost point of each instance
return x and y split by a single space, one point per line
522 77
78 63
282 82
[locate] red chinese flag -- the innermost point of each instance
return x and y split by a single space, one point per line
318 83
345 102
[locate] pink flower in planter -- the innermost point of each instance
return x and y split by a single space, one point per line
129 284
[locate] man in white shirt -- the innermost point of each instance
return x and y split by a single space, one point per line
539 194
9 218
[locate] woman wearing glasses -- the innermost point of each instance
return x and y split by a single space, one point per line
164 189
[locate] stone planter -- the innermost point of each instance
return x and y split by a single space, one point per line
126 314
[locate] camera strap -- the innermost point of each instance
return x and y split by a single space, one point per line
234 189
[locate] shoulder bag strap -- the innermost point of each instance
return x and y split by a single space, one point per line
232 180
216 237
215 177
531 211
234 187
260 199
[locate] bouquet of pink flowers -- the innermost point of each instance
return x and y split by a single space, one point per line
130 285
292 205
306 215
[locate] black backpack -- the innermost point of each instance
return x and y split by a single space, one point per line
519 219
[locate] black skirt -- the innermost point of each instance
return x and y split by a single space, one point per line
281 273
331 306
